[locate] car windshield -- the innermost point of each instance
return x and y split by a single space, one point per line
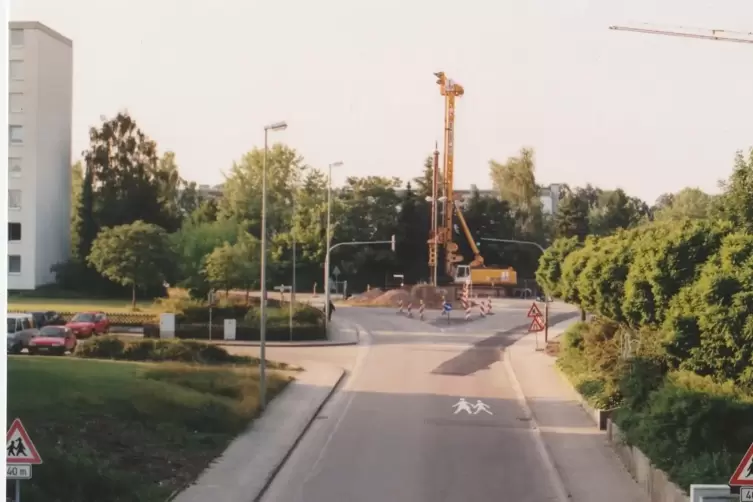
11 325
53 331
83 318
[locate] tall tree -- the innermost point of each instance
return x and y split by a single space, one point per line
571 218
736 203
129 183
688 203
412 234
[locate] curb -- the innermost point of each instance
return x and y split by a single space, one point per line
276 469
286 344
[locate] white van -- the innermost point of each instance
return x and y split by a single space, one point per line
21 329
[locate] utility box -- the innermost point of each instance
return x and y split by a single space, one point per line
167 326
229 331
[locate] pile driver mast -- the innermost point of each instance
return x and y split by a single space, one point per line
443 233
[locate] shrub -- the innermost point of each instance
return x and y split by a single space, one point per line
549 272
245 332
110 347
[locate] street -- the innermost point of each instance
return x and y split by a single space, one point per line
392 431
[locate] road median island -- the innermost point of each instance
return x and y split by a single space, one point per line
130 430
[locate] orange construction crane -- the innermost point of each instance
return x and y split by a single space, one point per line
681 31
450 90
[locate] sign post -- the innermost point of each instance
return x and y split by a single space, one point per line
282 288
21 455
537 322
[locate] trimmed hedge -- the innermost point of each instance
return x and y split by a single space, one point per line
245 332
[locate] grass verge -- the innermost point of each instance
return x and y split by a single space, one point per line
25 304
120 431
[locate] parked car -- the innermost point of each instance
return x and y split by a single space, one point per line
53 340
48 318
86 324
21 329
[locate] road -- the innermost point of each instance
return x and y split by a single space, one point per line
391 432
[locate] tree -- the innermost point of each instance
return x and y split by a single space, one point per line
571 218
549 273
193 243
616 210
128 181
424 184
412 236
736 203
234 266
688 203
136 255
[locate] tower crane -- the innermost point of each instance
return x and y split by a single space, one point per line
681 31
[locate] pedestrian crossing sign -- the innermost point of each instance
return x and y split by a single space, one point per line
19 447
743 475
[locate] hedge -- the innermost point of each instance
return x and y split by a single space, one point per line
130 319
250 332
671 342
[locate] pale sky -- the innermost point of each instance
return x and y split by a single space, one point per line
354 81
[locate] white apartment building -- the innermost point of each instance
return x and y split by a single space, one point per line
39 153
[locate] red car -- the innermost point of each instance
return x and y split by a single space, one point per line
53 340
86 324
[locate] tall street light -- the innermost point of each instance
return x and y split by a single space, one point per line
277 126
329 240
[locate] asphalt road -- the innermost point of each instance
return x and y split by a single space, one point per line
391 432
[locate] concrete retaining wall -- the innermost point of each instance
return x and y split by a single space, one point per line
653 481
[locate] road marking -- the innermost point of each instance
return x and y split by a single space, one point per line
363 349
433 333
554 475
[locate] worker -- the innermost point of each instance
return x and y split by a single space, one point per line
331 309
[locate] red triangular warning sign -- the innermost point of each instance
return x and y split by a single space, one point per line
536 324
534 311
743 475
19 448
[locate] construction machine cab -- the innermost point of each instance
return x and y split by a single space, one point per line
462 273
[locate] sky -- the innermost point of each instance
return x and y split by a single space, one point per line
354 81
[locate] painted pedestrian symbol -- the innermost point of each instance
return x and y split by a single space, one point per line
471 409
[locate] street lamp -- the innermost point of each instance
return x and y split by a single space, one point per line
329 240
277 126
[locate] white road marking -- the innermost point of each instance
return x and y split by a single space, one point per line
554 475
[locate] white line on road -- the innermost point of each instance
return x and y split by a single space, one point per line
433 333
363 349
554 475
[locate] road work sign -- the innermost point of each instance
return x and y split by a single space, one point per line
20 448
743 475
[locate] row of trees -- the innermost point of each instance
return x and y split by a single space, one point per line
673 339
208 242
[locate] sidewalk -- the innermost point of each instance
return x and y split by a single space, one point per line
251 461
589 467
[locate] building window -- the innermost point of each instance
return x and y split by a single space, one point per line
16 69
15 134
16 102
14 231
14 199
16 38
14 167
14 264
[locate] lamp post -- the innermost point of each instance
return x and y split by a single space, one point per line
292 287
329 240
277 126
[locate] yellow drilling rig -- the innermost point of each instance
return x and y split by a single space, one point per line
441 233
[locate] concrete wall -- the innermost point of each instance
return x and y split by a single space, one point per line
653 481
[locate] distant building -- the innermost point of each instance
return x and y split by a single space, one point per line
39 153
209 191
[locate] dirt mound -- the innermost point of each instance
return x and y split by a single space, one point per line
366 297
431 296
379 298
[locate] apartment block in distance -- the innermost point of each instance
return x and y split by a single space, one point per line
39 153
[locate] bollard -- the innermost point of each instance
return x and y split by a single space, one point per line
489 307
482 308
400 306
468 312
421 310
410 309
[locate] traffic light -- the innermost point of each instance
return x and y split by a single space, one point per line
393 243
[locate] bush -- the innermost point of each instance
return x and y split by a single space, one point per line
691 425
110 347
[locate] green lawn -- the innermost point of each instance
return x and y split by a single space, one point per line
120 431
25 304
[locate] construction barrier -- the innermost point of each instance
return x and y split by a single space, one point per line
400 306
410 309
482 308
489 306
421 310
